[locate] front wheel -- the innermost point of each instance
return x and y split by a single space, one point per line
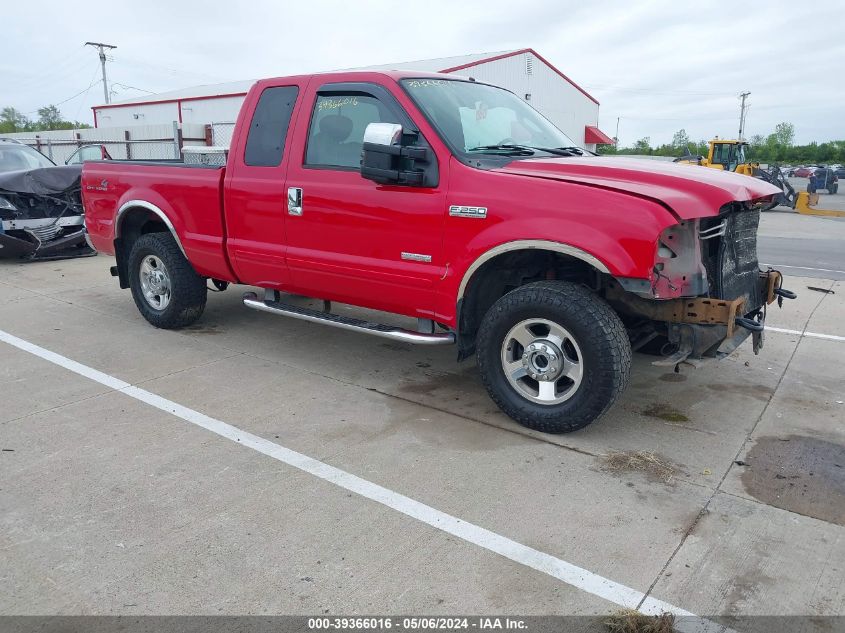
168 292
553 356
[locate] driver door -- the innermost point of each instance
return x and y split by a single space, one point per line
349 238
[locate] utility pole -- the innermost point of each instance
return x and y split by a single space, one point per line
616 136
101 47
742 111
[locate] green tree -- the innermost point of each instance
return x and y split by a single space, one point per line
12 120
757 147
826 153
49 118
681 142
785 134
643 146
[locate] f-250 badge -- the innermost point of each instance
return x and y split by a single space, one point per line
461 211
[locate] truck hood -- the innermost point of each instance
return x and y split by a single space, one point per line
688 190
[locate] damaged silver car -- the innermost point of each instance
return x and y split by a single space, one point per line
41 215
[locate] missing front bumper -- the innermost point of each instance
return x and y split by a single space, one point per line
708 327
714 328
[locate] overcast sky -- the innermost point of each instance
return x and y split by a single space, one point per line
660 65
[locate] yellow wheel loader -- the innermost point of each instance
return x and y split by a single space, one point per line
731 155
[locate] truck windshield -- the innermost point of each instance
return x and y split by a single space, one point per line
478 118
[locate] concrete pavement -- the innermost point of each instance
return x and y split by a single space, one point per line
114 507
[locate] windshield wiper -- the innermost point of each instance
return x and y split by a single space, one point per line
529 150
580 151
505 147
571 150
562 151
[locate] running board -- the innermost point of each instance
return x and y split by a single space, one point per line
251 300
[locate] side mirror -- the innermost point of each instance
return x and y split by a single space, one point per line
388 158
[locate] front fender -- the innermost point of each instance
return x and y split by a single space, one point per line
615 232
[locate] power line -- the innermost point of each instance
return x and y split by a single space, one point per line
71 65
115 83
649 91
172 71
81 92
678 118
81 101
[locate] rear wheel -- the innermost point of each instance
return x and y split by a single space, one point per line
168 292
553 356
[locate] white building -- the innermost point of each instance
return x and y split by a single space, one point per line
523 72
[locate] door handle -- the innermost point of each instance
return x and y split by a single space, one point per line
294 201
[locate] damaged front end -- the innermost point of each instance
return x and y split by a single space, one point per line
707 293
41 214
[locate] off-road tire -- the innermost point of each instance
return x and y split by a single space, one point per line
188 289
602 338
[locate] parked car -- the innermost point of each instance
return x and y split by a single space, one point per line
88 152
803 172
823 178
454 202
839 172
40 205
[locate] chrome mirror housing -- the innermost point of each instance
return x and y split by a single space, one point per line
383 134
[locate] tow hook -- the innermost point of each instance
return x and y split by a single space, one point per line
773 281
755 325
749 324
782 294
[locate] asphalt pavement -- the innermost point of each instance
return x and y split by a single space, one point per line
808 246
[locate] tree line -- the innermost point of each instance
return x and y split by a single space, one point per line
49 118
777 147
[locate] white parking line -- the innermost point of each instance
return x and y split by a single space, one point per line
829 337
578 577
823 270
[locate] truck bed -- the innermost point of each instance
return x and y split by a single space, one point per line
190 196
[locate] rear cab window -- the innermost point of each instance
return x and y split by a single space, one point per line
265 144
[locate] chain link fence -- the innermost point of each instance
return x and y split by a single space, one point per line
60 151
120 144
221 133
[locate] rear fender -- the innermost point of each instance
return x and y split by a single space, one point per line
129 220
136 205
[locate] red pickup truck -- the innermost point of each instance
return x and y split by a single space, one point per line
454 202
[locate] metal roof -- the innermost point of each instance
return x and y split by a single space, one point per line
234 87
438 64
205 90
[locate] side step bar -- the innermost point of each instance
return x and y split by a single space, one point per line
251 300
